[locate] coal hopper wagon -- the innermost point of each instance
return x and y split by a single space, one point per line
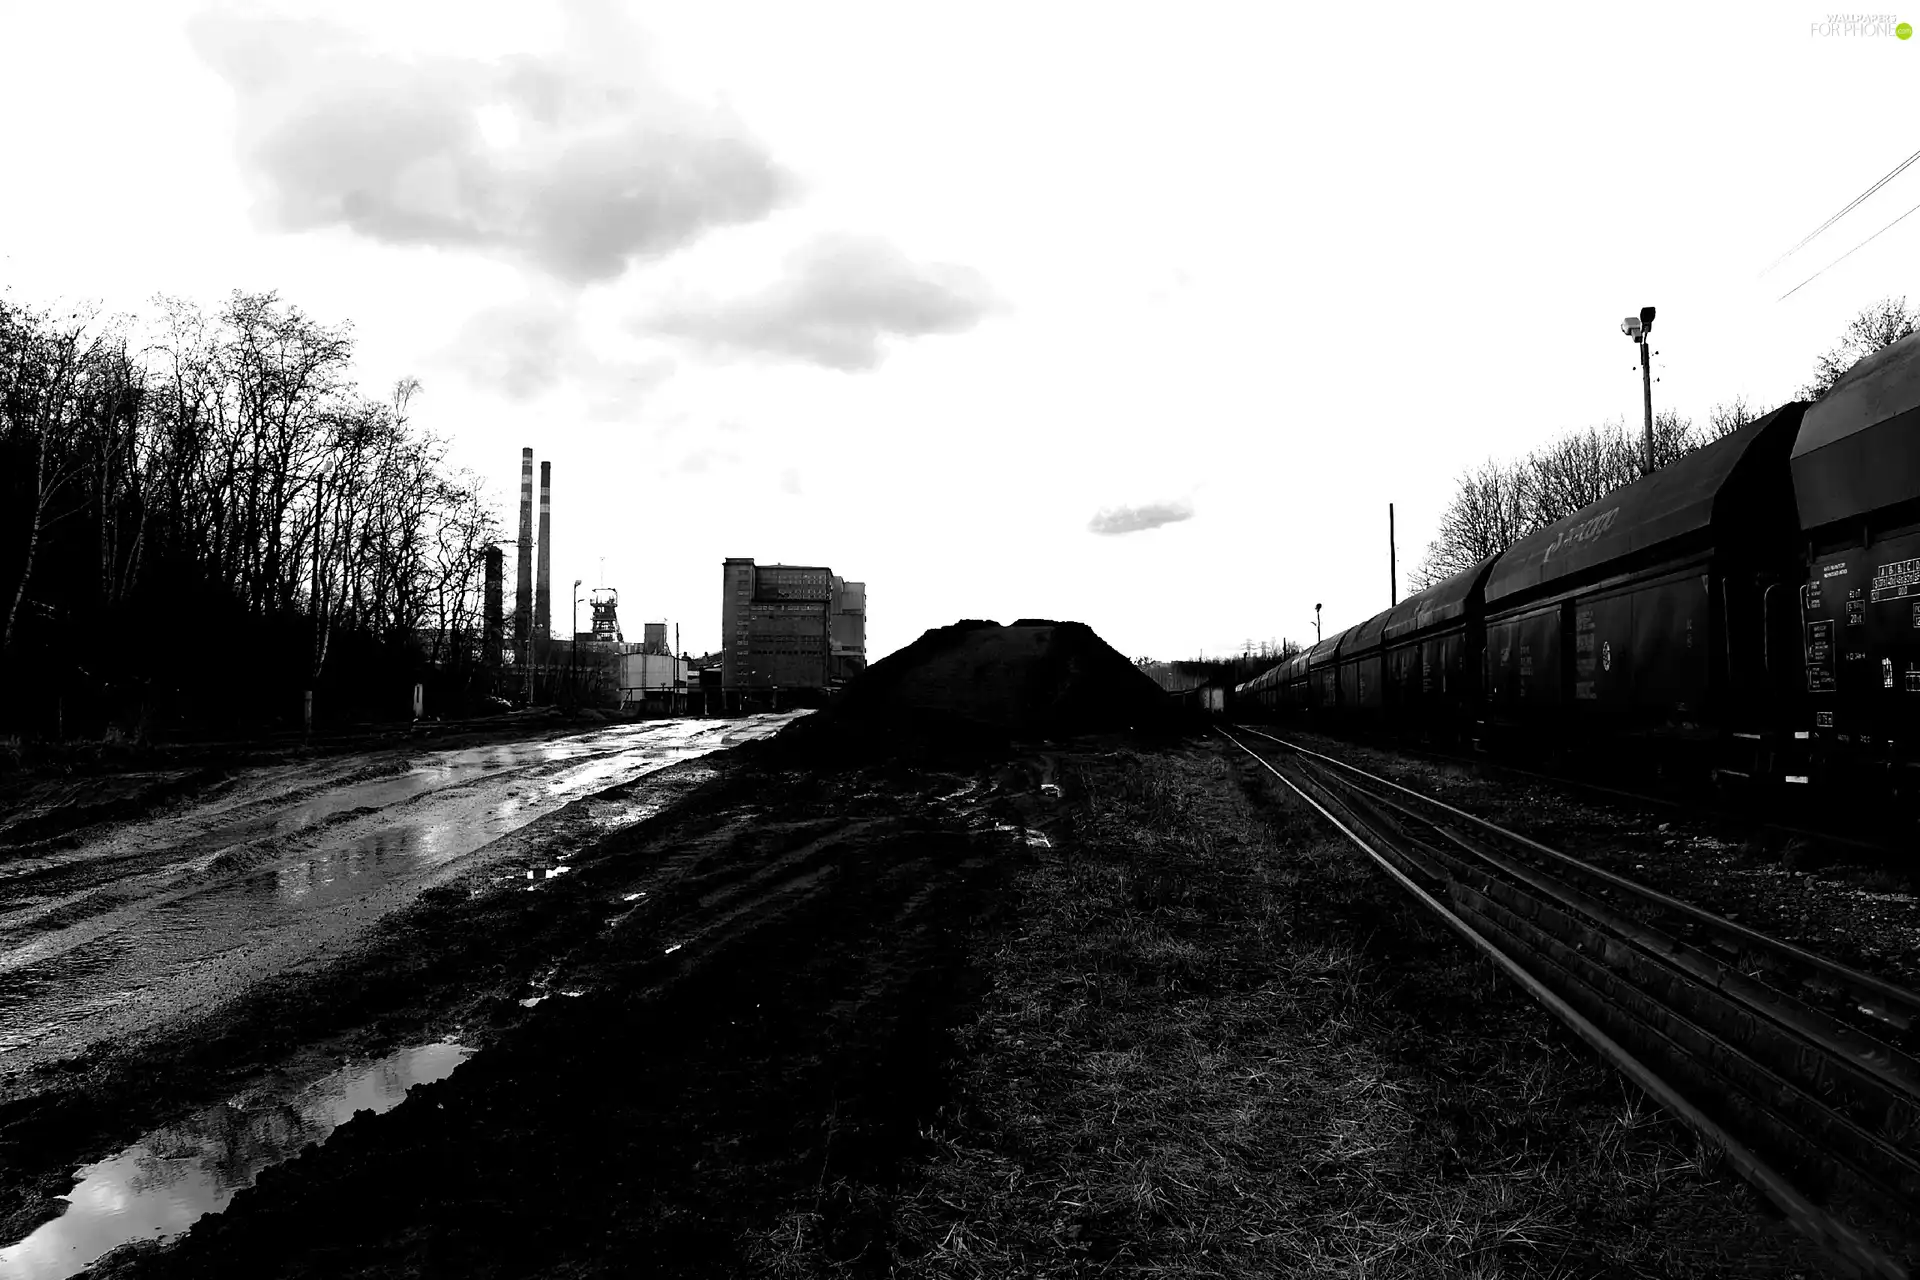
1751 610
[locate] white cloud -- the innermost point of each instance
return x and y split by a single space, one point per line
837 301
569 162
1116 520
536 346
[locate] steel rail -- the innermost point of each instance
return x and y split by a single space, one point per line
1891 1071
1742 1035
1809 1218
1873 996
1726 813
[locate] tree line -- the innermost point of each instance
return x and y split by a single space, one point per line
1252 658
1497 503
201 516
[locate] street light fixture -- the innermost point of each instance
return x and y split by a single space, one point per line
1640 328
574 674
1316 624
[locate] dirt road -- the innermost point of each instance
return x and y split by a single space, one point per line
132 926
240 960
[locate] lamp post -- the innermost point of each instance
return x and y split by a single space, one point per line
573 676
1639 328
1316 624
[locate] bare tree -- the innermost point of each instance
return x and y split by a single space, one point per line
1729 416
228 472
1500 503
1878 325
1487 514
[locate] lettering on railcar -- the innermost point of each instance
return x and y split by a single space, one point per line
1897 580
1820 640
1823 719
1856 613
1810 596
1837 569
1819 678
1585 531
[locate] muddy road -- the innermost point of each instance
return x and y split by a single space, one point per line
193 993
110 932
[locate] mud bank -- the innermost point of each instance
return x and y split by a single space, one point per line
706 1013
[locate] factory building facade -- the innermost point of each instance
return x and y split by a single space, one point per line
783 627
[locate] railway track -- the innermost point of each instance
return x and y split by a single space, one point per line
1767 820
1805 1073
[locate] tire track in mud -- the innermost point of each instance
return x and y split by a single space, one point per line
766 1015
249 809
445 964
291 882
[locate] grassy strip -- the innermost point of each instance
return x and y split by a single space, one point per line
1218 1044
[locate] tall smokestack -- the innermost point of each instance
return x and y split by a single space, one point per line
543 602
493 632
523 587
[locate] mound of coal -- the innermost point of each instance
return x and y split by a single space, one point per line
979 684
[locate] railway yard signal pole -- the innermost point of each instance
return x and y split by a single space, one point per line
1638 328
1393 568
1316 624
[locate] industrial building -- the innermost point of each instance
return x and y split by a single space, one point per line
798 630
596 667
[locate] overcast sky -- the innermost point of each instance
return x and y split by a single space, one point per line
1138 315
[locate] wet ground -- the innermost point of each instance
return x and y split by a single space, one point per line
158 1187
192 995
710 1009
133 925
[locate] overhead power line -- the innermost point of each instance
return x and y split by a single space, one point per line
1848 254
1805 240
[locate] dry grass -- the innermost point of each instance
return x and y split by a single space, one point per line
1218 1046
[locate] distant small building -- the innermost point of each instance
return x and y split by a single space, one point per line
654 682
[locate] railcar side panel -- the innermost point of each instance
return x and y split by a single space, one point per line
1522 664
1669 654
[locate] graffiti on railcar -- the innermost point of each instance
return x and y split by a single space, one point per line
1585 531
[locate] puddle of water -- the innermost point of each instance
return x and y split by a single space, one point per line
161 1185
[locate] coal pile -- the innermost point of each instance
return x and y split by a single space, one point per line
979 685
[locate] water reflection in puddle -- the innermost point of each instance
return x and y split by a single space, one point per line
158 1187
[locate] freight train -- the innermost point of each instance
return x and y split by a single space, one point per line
1751 610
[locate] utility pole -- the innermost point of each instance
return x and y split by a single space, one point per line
573 676
1393 567
1639 328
